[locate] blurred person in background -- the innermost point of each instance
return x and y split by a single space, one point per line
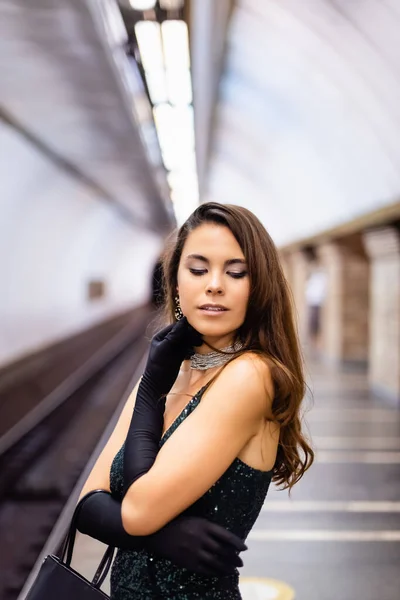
216 417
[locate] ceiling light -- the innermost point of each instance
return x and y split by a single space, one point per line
148 35
182 179
183 186
175 125
184 205
187 197
175 130
176 44
179 86
171 4
157 86
143 4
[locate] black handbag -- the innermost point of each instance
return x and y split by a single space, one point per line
57 580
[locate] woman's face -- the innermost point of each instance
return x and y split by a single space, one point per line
213 283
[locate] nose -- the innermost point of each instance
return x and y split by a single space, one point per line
214 286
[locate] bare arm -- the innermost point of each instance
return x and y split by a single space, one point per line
99 478
202 448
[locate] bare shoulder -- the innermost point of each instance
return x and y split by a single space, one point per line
253 370
247 377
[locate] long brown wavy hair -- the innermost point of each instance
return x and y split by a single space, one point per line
269 326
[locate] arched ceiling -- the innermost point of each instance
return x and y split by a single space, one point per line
307 124
67 85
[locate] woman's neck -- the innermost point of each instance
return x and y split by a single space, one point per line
196 378
214 342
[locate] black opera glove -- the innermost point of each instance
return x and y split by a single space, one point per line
190 542
168 349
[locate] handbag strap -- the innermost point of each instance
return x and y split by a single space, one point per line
68 548
104 567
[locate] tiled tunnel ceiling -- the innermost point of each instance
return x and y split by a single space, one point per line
307 124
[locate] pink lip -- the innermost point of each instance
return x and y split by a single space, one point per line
213 306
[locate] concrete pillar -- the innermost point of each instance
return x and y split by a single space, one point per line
344 317
296 267
383 247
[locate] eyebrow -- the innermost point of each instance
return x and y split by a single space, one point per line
231 261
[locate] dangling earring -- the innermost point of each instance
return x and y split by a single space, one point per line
178 311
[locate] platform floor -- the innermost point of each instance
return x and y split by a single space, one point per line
338 537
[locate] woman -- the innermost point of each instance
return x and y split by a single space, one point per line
211 457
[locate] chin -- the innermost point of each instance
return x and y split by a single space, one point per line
212 329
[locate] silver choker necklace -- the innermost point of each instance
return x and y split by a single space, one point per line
214 359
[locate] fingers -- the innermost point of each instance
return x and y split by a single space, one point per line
163 333
182 330
196 339
224 553
179 331
213 566
223 535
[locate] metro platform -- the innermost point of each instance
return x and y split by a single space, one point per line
338 536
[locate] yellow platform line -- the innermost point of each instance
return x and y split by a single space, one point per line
259 588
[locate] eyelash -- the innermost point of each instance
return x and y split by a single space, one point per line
199 272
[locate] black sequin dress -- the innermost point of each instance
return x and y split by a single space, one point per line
234 502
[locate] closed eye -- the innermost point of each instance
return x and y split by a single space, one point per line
233 274
198 271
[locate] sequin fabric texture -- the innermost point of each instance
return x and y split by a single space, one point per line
234 502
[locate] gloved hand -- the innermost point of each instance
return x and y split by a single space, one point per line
202 546
167 351
190 542
169 347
